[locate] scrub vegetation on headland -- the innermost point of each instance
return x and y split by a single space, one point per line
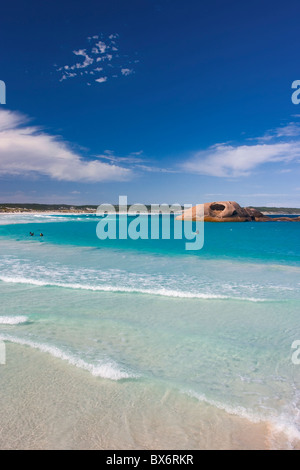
14 207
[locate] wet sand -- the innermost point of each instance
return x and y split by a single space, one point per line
48 404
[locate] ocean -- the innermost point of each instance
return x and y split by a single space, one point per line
188 349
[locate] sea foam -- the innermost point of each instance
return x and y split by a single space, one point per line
16 320
278 424
106 370
123 289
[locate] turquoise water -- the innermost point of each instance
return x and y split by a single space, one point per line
215 325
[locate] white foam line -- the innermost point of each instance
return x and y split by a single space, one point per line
280 424
23 218
106 370
13 320
161 292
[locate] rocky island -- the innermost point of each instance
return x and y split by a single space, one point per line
228 211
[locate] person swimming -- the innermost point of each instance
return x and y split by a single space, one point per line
41 234
31 234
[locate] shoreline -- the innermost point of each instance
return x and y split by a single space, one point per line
72 410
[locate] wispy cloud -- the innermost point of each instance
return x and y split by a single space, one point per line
27 150
101 79
137 162
101 59
229 161
292 129
133 158
126 72
281 145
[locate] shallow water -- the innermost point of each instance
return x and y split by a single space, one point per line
213 327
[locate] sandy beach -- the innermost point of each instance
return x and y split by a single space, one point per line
54 406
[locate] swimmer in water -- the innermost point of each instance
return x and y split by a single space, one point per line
41 235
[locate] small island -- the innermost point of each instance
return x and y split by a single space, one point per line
228 211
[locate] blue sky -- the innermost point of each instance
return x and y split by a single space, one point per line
162 101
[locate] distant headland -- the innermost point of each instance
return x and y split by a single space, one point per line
213 211
32 208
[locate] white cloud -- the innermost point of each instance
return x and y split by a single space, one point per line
101 79
133 158
264 195
126 72
292 129
10 119
99 49
26 150
226 160
137 162
279 145
67 75
87 60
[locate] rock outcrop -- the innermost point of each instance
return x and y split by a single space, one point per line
227 211
256 215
